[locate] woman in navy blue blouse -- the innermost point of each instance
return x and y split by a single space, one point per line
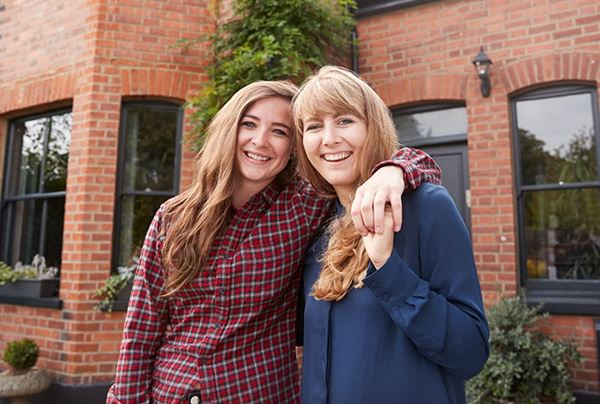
390 317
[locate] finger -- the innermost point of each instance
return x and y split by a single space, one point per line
366 210
357 215
379 204
396 206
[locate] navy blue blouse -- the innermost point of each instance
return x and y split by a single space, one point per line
415 331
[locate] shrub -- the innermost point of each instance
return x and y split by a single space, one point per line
109 292
270 40
21 354
525 365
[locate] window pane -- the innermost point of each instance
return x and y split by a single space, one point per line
57 156
562 234
25 230
54 231
28 146
557 140
424 125
136 214
150 150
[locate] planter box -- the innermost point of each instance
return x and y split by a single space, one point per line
31 288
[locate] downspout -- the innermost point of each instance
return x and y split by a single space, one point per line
354 50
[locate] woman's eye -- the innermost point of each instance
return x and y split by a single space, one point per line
248 124
280 132
345 121
311 127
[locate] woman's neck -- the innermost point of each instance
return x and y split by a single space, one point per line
344 194
243 192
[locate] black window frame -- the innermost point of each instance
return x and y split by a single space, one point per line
366 8
119 192
7 199
557 296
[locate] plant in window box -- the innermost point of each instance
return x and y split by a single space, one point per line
34 280
22 379
525 365
116 288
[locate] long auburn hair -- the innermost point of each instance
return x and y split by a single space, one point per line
336 90
194 218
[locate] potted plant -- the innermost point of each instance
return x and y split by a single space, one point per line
114 294
22 379
525 365
35 280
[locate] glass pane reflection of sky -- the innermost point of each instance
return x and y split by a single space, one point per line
556 120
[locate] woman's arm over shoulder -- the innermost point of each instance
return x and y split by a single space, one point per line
418 167
441 311
144 324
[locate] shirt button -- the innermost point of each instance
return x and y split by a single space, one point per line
385 298
194 400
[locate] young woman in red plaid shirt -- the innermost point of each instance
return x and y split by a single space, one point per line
212 312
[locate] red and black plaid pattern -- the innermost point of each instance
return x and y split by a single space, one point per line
230 334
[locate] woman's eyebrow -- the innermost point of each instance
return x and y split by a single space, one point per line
258 119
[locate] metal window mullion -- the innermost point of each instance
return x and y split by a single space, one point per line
42 180
596 123
559 187
43 227
27 197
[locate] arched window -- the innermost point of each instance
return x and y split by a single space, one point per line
558 191
148 172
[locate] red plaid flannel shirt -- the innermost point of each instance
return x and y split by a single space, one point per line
230 334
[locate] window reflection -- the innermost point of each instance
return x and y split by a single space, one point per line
149 151
425 125
557 140
57 156
136 214
562 234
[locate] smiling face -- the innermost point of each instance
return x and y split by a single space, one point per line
333 145
263 143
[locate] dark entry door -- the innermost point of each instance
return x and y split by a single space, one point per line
452 159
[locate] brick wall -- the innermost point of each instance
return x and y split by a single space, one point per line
91 56
423 53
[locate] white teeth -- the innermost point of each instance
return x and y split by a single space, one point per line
257 157
336 156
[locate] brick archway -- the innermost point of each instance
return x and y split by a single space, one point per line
441 87
38 92
542 69
149 82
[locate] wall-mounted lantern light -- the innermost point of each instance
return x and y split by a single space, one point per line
482 63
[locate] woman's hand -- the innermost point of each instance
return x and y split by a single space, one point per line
383 189
379 246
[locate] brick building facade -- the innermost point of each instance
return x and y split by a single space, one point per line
103 70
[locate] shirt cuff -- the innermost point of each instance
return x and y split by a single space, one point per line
393 283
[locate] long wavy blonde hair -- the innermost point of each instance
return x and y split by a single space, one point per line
336 90
195 218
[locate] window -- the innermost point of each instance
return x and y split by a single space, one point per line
34 188
431 124
149 156
558 190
